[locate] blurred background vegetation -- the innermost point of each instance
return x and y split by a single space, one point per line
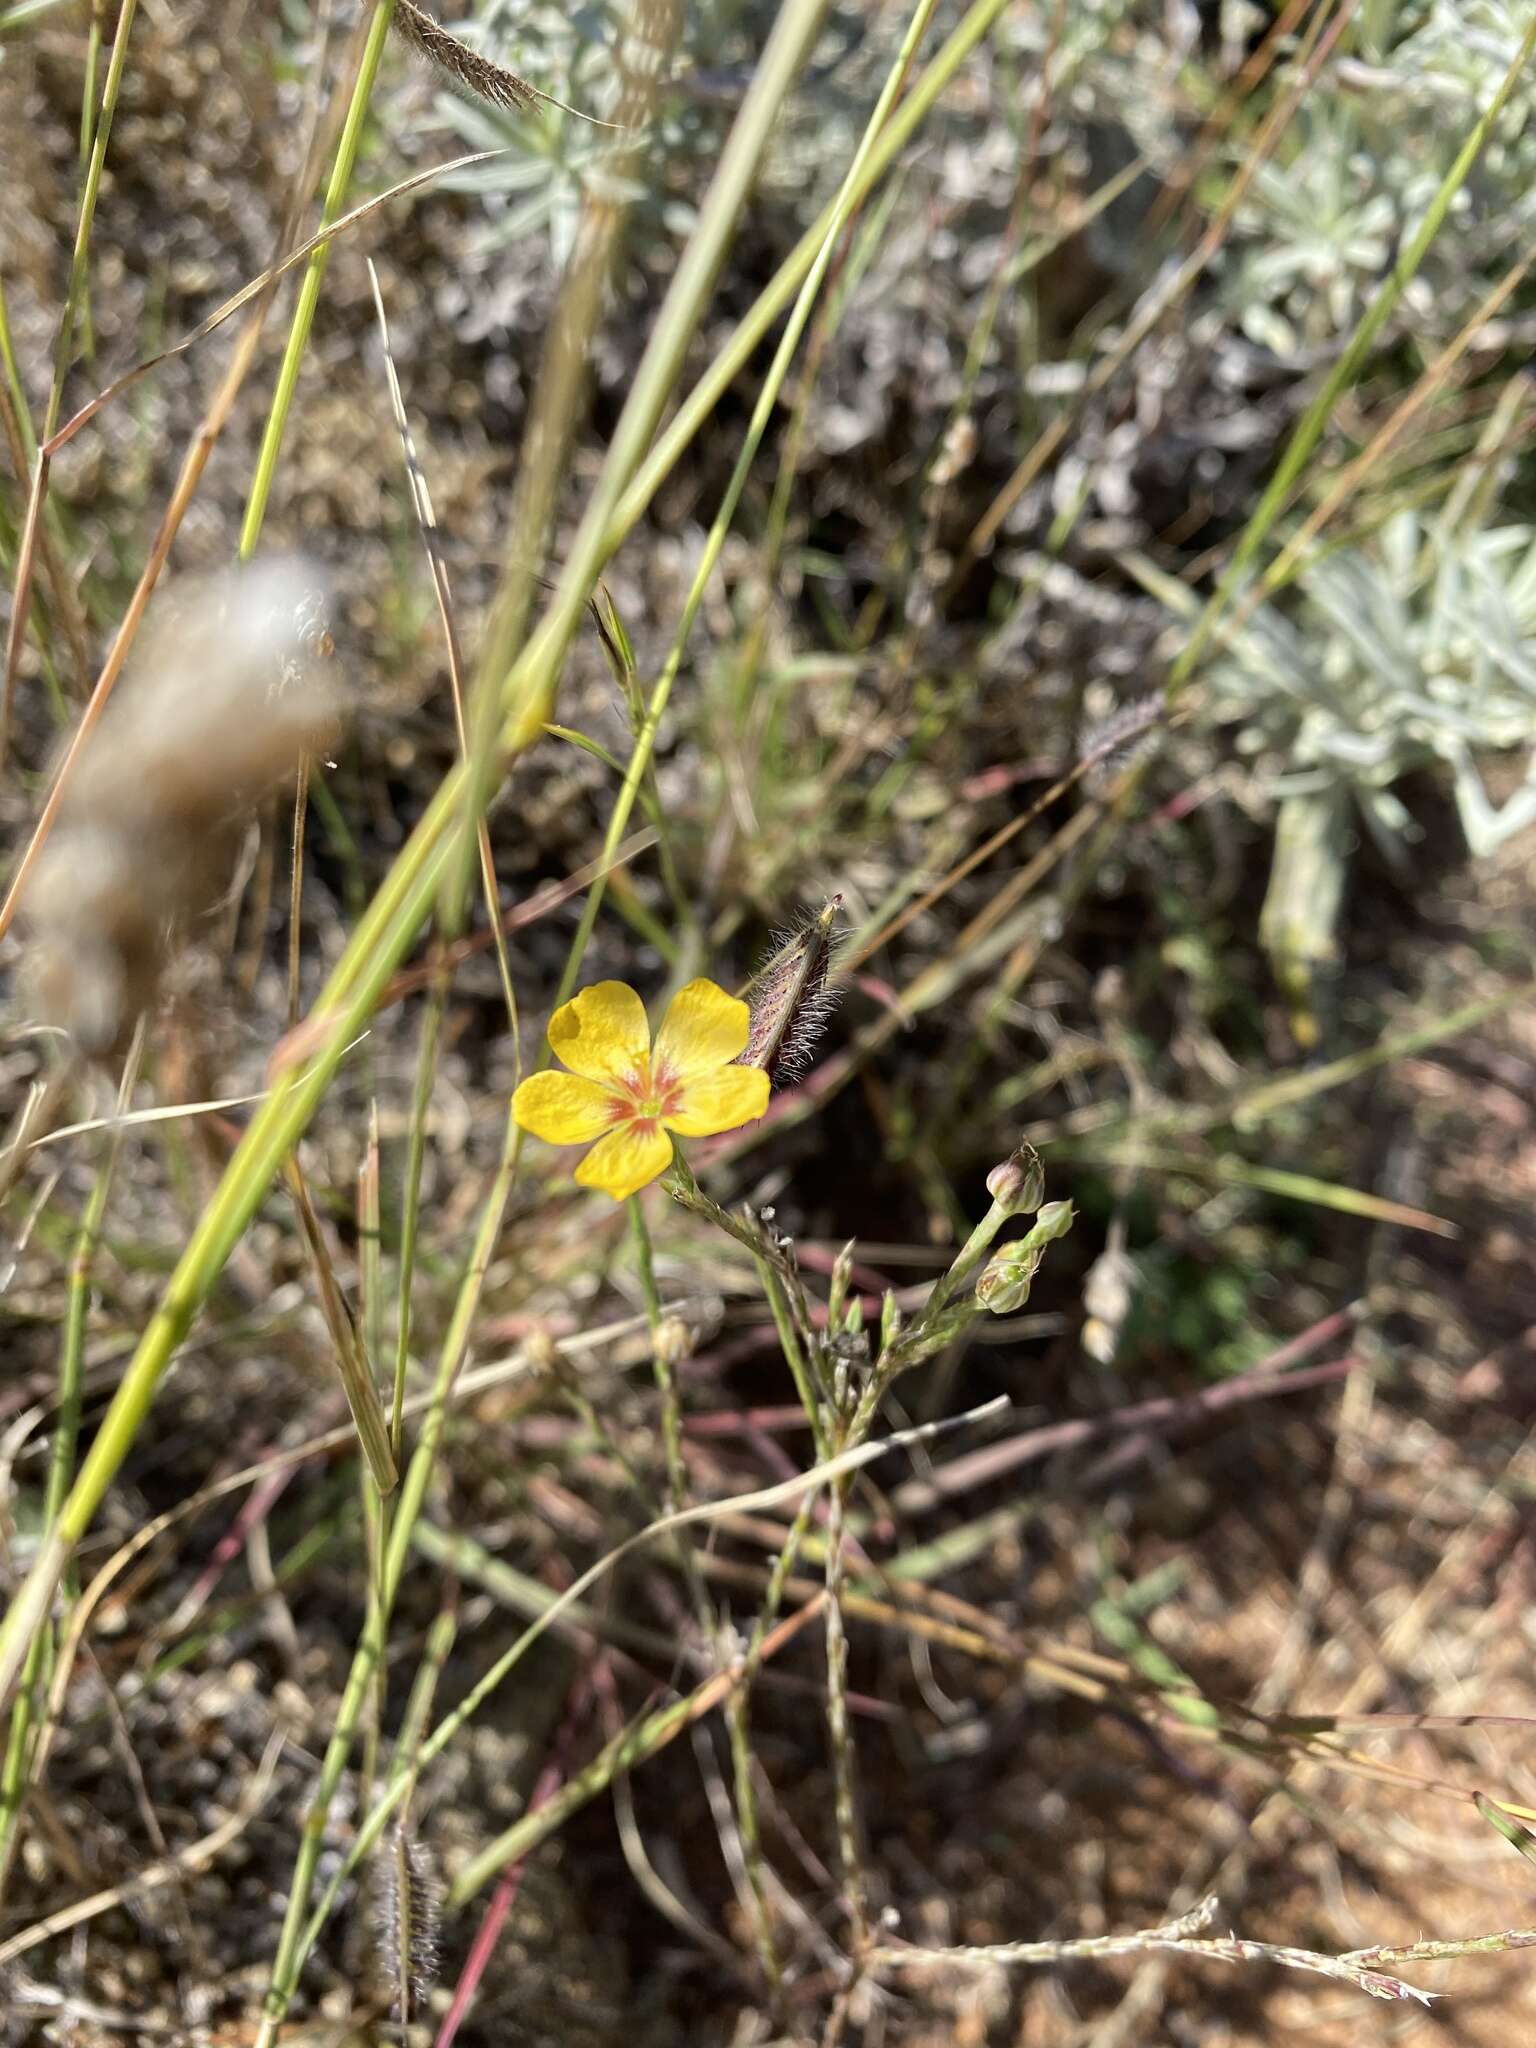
1129 611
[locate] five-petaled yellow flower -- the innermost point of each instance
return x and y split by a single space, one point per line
628 1094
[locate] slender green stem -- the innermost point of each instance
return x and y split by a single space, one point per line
13 383
292 1946
780 1285
738 1728
370 1287
663 1365
314 275
932 1327
88 83
418 1707
845 1791
796 1354
370 1245
28 1705
661 1358
296 891
375 1524
410 1208
75 290
738 1723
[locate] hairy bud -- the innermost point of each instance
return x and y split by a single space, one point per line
789 998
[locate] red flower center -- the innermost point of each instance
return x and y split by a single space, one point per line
642 1096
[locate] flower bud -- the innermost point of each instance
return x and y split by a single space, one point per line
837 1288
1009 1274
890 1320
1053 1221
1006 1279
1017 1185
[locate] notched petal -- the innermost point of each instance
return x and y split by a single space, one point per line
602 1033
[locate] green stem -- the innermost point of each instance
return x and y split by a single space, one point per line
26 1711
840 1728
292 1943
75 290
410 1209
784 1301
314 275
661 1358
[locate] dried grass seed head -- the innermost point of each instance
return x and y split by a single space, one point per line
466 69
1108 745
229 690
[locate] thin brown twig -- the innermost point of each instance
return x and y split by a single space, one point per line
1186 1936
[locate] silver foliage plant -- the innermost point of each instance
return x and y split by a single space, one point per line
1361 163
536 185
1416 647
582 55
1091 59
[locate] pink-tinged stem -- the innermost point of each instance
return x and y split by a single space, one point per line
746 1421
258 1506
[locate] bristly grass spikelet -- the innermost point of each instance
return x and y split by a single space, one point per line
461 65
1110 744
789 997
408 1920
468 71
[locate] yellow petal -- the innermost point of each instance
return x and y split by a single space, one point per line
624 1161
601 1033
562 1108
721 1101
704 1028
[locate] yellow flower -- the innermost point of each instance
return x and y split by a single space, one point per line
628 1094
